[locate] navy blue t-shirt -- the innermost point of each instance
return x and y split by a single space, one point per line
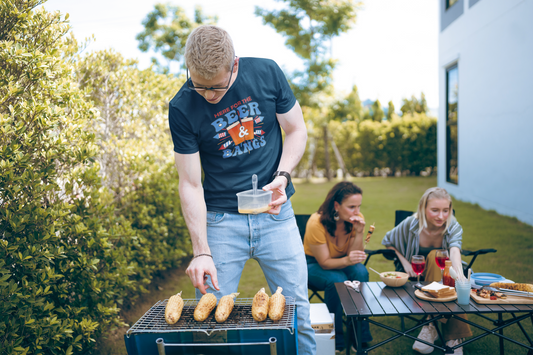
237 137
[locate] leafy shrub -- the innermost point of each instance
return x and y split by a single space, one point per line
404 143
69 254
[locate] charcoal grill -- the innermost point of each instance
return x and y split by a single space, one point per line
239 335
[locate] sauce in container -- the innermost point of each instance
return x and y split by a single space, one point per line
446 278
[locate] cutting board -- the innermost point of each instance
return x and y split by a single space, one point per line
421 295
508 300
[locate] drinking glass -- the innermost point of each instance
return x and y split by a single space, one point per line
418 262
440 258
462 287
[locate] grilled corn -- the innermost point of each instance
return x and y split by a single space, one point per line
204 307
516 287
260 305
277 305
225 306
173 309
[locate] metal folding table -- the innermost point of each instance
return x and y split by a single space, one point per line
375 299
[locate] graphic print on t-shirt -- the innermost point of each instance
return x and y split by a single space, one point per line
239 128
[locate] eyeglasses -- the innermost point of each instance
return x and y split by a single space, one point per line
191 86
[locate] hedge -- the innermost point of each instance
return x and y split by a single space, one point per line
70 255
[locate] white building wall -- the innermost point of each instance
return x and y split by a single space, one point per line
492 42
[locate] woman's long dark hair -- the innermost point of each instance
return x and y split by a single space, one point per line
337 193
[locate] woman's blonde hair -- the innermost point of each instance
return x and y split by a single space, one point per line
208 50
430 194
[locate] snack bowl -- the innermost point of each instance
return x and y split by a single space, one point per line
250 203
486 278
394 281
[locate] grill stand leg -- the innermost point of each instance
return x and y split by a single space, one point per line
160 346
271 342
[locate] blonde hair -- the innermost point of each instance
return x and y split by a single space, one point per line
208 50
430 194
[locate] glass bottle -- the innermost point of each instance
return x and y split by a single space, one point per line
446 278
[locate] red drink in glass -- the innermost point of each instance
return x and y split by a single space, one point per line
441 261
418 268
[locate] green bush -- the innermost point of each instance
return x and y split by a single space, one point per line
154 213
70 254
403 143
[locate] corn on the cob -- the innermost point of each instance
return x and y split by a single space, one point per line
277 305
510 286
204 307
173 309
225 306
260 305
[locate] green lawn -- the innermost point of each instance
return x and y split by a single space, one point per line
381 197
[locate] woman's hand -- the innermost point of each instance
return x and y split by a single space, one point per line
407 267
355 256
358 223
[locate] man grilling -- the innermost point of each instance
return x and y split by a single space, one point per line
227 120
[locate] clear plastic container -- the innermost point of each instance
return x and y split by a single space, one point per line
250 203
254 201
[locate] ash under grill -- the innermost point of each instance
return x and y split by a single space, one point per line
240 318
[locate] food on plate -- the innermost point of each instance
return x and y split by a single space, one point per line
225 306
204 307
369 234
260 305
391 275
437 290
511 286
492 295
277 305
173 309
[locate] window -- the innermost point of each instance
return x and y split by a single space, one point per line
452 91
450 3
450 10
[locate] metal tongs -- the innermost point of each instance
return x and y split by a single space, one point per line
508 292
353 284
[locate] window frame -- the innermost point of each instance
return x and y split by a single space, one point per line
449 142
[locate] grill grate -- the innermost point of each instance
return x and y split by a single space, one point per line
240 318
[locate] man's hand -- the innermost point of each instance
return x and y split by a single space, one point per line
277 186
198 270
356 256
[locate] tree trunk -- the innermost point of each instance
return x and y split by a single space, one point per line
312 151
338 156
326 153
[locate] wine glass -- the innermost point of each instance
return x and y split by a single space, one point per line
440 258
418 262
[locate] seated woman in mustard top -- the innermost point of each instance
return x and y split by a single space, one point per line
334 248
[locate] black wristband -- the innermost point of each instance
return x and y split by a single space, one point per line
203 255
282 173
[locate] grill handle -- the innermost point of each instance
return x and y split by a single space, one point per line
271 342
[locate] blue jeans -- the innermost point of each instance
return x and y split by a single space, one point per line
325 280
275 242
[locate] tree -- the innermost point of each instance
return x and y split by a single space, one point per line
377 111
390 111
348 108
309 26
166 29
414 106
131 128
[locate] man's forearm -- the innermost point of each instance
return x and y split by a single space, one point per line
293 150
194 211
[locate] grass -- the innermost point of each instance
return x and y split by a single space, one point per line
381 197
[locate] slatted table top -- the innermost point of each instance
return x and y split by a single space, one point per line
375 299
